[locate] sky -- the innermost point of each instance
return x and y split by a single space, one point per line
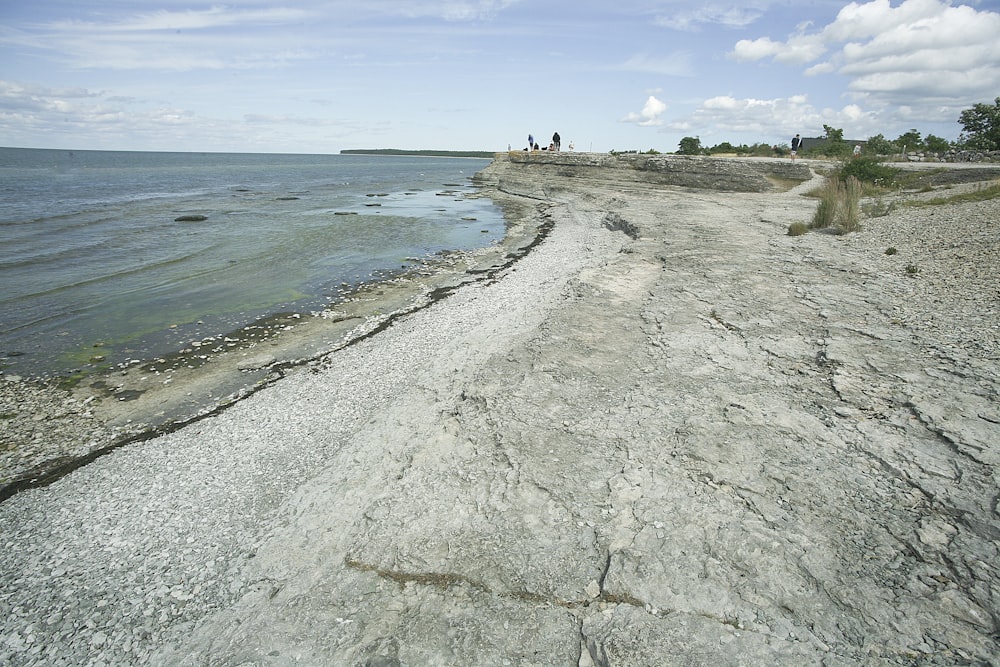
320 76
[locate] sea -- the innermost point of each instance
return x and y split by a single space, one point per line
119 251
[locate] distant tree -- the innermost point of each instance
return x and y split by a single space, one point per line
833 134
910 141
835 144
879 145
724 147
981 126
937 144
689 146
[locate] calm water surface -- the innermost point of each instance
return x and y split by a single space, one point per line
92 251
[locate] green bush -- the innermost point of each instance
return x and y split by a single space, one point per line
868 170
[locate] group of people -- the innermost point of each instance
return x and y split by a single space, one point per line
554 146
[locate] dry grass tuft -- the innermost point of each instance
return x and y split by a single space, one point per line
838 206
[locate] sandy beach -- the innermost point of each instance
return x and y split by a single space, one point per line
668 434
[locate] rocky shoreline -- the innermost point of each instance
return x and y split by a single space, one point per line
51 427
669 434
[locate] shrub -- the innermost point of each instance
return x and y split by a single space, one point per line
797 229
848 219
891 251
838 206
826 211
879 145
868 170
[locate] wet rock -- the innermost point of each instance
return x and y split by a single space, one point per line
256 362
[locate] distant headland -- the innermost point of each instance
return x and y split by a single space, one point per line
422 153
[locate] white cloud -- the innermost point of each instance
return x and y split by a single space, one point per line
729 16
771 118
722 102
11 90
677 64
213 39
187 20
897 56
800 48
114 122
756 49
452 10
239 37
650 114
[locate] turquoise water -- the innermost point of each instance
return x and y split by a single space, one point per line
92 252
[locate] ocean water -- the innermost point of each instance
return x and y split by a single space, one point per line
92 252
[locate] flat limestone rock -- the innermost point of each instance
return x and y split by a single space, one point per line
669 434
716 444
256 362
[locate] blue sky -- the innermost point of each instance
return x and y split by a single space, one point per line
305 76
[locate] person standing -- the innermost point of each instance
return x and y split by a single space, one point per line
796 142
531 142
556 141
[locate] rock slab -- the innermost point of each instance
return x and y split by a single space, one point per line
699 442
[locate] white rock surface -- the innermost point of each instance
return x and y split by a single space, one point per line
710 444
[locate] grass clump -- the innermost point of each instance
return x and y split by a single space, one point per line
839 198
797 229
838 206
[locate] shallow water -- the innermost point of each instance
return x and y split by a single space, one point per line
96 268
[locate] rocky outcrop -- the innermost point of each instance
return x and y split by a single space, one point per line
539 174
671 434
954 155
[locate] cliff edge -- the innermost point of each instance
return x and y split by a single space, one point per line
538 173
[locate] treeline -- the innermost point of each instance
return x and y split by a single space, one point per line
980 131
830 144
421 153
